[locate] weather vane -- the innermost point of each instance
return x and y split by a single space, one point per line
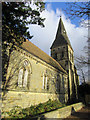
60 13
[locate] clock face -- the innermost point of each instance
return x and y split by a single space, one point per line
64 31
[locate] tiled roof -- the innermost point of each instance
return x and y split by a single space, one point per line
30 47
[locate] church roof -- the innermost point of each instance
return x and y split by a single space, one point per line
61 36
30 47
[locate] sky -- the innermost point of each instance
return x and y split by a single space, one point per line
44 37
62 6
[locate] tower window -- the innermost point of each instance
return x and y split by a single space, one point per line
66 63
55 56
62 54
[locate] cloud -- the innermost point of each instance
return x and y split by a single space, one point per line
44 37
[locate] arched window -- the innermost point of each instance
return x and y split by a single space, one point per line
23 74
62 81
20 78
62 54
58 83
55 56
25 78
45 82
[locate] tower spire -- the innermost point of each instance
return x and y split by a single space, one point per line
61 36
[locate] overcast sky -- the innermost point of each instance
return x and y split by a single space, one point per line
44 37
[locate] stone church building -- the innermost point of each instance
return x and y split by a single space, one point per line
34 77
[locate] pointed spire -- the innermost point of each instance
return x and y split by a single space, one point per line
61 28
61 36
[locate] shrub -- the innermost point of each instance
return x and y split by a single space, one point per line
18 112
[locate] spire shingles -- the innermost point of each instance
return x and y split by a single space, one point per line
61 36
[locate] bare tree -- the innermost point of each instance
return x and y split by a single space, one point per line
82 73
81 10
83 63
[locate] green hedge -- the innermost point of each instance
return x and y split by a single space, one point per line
18 112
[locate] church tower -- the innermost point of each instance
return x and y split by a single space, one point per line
62 52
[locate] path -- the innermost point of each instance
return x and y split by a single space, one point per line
83 114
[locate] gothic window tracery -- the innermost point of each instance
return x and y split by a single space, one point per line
23 75
20 78
25 78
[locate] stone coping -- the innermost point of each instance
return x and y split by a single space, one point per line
62 112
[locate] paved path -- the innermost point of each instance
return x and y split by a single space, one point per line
83 114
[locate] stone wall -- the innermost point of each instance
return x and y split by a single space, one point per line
62 112
31 81
38 70
25 99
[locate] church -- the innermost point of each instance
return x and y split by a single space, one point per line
34 77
